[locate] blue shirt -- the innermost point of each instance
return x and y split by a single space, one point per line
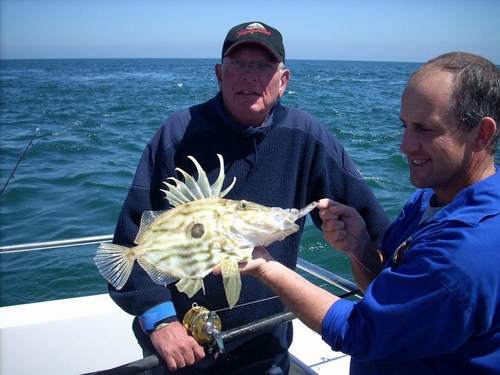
435 307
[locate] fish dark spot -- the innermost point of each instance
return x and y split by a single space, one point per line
197 230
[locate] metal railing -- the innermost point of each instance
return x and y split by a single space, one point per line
55 244
302 264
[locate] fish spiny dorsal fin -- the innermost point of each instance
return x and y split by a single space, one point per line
174 196
191 189
147 219
180 192
197 190
218 183
223 193
202 183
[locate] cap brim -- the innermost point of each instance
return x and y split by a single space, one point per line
231 49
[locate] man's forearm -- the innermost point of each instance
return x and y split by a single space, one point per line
307 301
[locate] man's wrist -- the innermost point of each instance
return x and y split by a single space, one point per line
163 323
369 259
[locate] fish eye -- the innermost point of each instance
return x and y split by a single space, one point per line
197 230
242 205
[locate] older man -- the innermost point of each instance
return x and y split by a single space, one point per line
264 144
432 301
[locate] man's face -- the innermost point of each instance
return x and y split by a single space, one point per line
439 154
249 92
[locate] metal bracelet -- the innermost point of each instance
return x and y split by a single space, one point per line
160 326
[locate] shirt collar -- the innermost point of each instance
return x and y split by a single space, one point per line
472 204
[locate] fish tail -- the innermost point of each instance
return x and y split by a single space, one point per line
115 263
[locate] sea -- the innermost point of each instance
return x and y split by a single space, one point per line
72 133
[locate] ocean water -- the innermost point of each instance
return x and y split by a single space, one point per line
93 118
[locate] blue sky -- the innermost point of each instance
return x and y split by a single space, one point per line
378 30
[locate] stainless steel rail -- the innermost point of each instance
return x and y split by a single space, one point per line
302 264
55 244
327 276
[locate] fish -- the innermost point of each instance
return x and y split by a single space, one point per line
202 230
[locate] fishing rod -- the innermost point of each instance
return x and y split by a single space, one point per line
20 160
155 360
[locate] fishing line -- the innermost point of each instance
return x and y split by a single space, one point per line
20 160
248 303
347 294
362 265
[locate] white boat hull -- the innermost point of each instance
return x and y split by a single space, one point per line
87 334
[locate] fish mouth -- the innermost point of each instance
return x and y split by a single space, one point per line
305 210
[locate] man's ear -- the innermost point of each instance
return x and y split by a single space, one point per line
485 131
218 73
285 78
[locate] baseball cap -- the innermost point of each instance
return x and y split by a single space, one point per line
258 33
